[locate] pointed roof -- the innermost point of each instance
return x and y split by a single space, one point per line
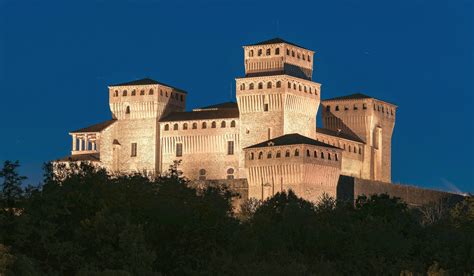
356 96
291 139
275 40
339 134
145 81
95 128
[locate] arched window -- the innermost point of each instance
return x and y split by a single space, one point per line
277 51
260 85
294 86
124 93
329 156
308 153
322 155
127 110
134 92
269 84
251 156
150 92
175 127
230 173
167 127
195 125
185 126
161 92
269 155
305 90
222 124
287 52
268 52
278 84
299 87
336 108
213 124
335 156
260 155
142 92
304 57
242 86
204 125
298 55
289 85
232 124
355 149
116 93
278 154
202 174
251 86
259 52
251 53
315 154
309 58
293 53
297 152
287 153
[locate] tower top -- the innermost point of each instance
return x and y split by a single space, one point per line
277 40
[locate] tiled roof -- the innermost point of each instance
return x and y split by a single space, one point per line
81 157
356 96
95 128
339 134
291 139
227 105
275 40
146 81
202 115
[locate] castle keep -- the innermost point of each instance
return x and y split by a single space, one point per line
268 136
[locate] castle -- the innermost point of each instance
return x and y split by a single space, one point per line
268 137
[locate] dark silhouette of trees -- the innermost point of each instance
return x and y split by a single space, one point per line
84 221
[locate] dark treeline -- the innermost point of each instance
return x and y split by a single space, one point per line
91 223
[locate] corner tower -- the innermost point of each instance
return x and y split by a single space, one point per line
371 120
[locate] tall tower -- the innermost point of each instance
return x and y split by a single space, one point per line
137 106
371 120
276 96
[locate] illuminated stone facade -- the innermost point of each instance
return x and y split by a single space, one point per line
268 137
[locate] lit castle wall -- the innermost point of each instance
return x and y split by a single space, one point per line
268 137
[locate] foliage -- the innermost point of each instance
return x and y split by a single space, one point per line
88 222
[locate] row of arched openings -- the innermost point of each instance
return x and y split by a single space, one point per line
150 92
194 125
269 85
292 53
296 153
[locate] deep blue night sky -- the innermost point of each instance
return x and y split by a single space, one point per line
57 58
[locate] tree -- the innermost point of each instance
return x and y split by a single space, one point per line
11 190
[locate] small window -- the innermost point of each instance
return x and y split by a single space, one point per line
293 53
299 87
308 153
355 107
213 125
204 125
127 110
260 86
304 57
287 153
195 125
251 157
179 149
202 174
335 157
278 84
269 85
350 148
265 107
297 152
298 55
269 155
134 92
251 53
230 147
268 52
161 92
150 92
242 86
259 52
294 86
287 52
232 124
260 155
142 92
328 108
133 152
336 108
277 51
364 106
167 127
124 93
305 90
309 58
182 98
230 173
289 85
175 127
278 154
223 124
185 126
322 155
251 86
346 108
315 154
116 93
329 156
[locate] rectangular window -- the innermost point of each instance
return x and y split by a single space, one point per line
134 150
230 147
265 107
179 150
